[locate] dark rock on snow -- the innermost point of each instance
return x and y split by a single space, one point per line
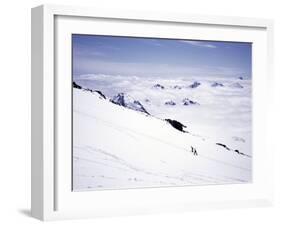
176 124
187 102
216 84
171 103
177 87
76 86
128 102
87 89
158 86
195 85
223 145
237 151
100 93
234 150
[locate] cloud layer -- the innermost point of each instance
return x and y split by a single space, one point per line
222 113
199 44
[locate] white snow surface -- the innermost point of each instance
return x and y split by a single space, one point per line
117 148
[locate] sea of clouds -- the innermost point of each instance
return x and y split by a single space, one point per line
222 113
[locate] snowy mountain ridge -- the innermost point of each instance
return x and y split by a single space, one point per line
127 101
115 147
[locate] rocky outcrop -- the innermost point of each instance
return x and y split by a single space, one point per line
176 124
195 85
187 102
177 87
170 102
75 85
223 145
128 102
100 93
234 150
158 86
217 84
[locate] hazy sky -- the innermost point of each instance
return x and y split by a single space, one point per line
111 55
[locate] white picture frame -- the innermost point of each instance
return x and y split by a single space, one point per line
52 197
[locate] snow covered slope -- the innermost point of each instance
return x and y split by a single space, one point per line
115 147
222 113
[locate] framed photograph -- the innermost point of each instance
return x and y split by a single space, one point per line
136 113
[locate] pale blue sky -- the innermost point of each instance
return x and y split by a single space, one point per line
93 54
